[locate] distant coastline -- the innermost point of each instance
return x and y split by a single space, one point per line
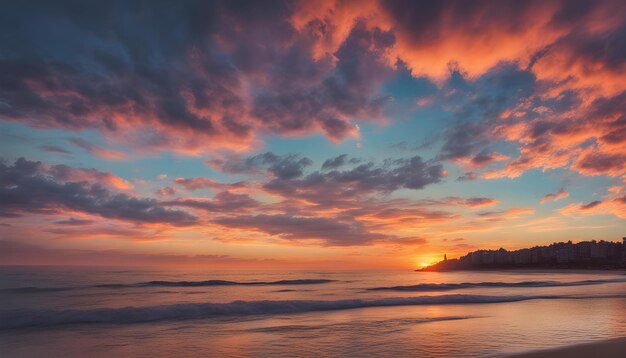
593 255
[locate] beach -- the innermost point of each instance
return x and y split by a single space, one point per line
612 348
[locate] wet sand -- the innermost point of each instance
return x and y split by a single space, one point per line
614 348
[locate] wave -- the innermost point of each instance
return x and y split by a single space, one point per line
19 318
233 283
35 289
456 286
170 284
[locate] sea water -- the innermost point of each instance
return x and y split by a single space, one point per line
104 312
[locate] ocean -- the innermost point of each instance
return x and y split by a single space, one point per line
116 312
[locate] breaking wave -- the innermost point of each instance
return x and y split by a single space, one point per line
12 319
171 284
456 286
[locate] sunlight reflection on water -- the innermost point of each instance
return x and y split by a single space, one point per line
424 330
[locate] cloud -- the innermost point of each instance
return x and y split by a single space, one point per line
102 231
590 54
468 176
364 179
478 35
221 82
507 214
74 222
346 91
96 150
166 191
222 202
591 205
565 130
55 149
207 183
484 158
477 106
561 194
517 86
331 232
459 201
67 173
346 199
20 253
480 202
285 167
594 162
559 40
339 161
615 205
545 75
28 187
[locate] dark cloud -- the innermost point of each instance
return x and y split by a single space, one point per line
463 139
591 205
335 163
468 176
220 73
364 179
222 202
285 167
572 12
595 47
597 162
74 222
331 231
422 20
484 158
27 187
346 91
339 161
354 192
477 105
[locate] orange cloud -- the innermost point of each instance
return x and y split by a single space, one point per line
613 206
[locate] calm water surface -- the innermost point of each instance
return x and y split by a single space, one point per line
61 312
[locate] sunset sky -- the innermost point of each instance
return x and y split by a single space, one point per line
307 134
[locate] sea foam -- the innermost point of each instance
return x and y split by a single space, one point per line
204 283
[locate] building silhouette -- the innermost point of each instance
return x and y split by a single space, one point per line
583 255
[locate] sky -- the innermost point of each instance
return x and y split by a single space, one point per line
308 134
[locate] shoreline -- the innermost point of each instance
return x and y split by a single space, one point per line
610 348
527 268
